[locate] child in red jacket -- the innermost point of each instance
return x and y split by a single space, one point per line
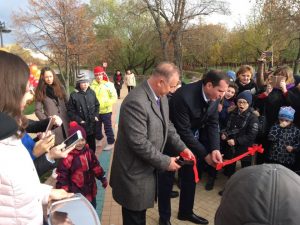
77 172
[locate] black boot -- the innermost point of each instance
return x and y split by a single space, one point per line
210 183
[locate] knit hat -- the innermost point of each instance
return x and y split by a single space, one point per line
98 69
74 127
287 113
231 75
245 95
8 126
82 77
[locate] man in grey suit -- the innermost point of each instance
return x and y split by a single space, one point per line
144 129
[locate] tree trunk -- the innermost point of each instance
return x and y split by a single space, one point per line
297 61
178 50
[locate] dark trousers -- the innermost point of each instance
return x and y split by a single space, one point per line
130 88
118 92
165 185
90 140
229 170
106 120
187 190
131 217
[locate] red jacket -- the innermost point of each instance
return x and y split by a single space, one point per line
77 172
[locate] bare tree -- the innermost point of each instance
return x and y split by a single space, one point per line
59 29
172 16
282 18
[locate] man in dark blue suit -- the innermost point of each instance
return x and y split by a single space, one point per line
193 108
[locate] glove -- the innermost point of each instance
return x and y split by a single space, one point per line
104 182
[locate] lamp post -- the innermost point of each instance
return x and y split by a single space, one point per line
3 29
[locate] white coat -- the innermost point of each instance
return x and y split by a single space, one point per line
21 193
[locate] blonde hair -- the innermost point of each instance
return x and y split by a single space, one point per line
245 68
286 72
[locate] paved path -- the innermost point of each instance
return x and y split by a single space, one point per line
206 202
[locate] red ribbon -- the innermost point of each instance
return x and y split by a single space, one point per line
187 157
251 151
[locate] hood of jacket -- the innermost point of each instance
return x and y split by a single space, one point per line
267 194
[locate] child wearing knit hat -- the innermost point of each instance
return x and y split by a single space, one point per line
107 95
83 107
240 131
77 172
284 138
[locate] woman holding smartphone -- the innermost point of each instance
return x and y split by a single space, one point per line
22 194
270 100
51 99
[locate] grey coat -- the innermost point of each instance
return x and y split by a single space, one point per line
49 107
142 134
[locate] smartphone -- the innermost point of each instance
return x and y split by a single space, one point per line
50 124
181 162
275 81
268 53
73 139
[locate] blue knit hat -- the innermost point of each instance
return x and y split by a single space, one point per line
287 113
245 95
231 75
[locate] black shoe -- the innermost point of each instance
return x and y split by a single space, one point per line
221 192
192 218
174 194
164 222
210 184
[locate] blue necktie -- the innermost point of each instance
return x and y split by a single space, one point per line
158 102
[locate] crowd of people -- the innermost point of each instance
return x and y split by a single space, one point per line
165 126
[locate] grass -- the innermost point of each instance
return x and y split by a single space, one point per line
29 109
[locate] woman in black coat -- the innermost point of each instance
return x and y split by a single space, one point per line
118 81
269 102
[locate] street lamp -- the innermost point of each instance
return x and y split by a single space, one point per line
3 29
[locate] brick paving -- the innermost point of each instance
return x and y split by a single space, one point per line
206 202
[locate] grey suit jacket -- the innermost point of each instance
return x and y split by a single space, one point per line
143 132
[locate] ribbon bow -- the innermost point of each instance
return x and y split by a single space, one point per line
251 151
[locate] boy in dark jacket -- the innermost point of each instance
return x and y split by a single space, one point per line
83 107
77 172
241 131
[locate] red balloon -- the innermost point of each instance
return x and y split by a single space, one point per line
35 83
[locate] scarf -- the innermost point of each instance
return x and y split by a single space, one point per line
50 92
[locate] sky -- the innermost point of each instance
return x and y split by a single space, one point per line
240 10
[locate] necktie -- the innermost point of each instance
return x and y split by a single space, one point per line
158 102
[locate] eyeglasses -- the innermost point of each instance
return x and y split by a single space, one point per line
242 102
